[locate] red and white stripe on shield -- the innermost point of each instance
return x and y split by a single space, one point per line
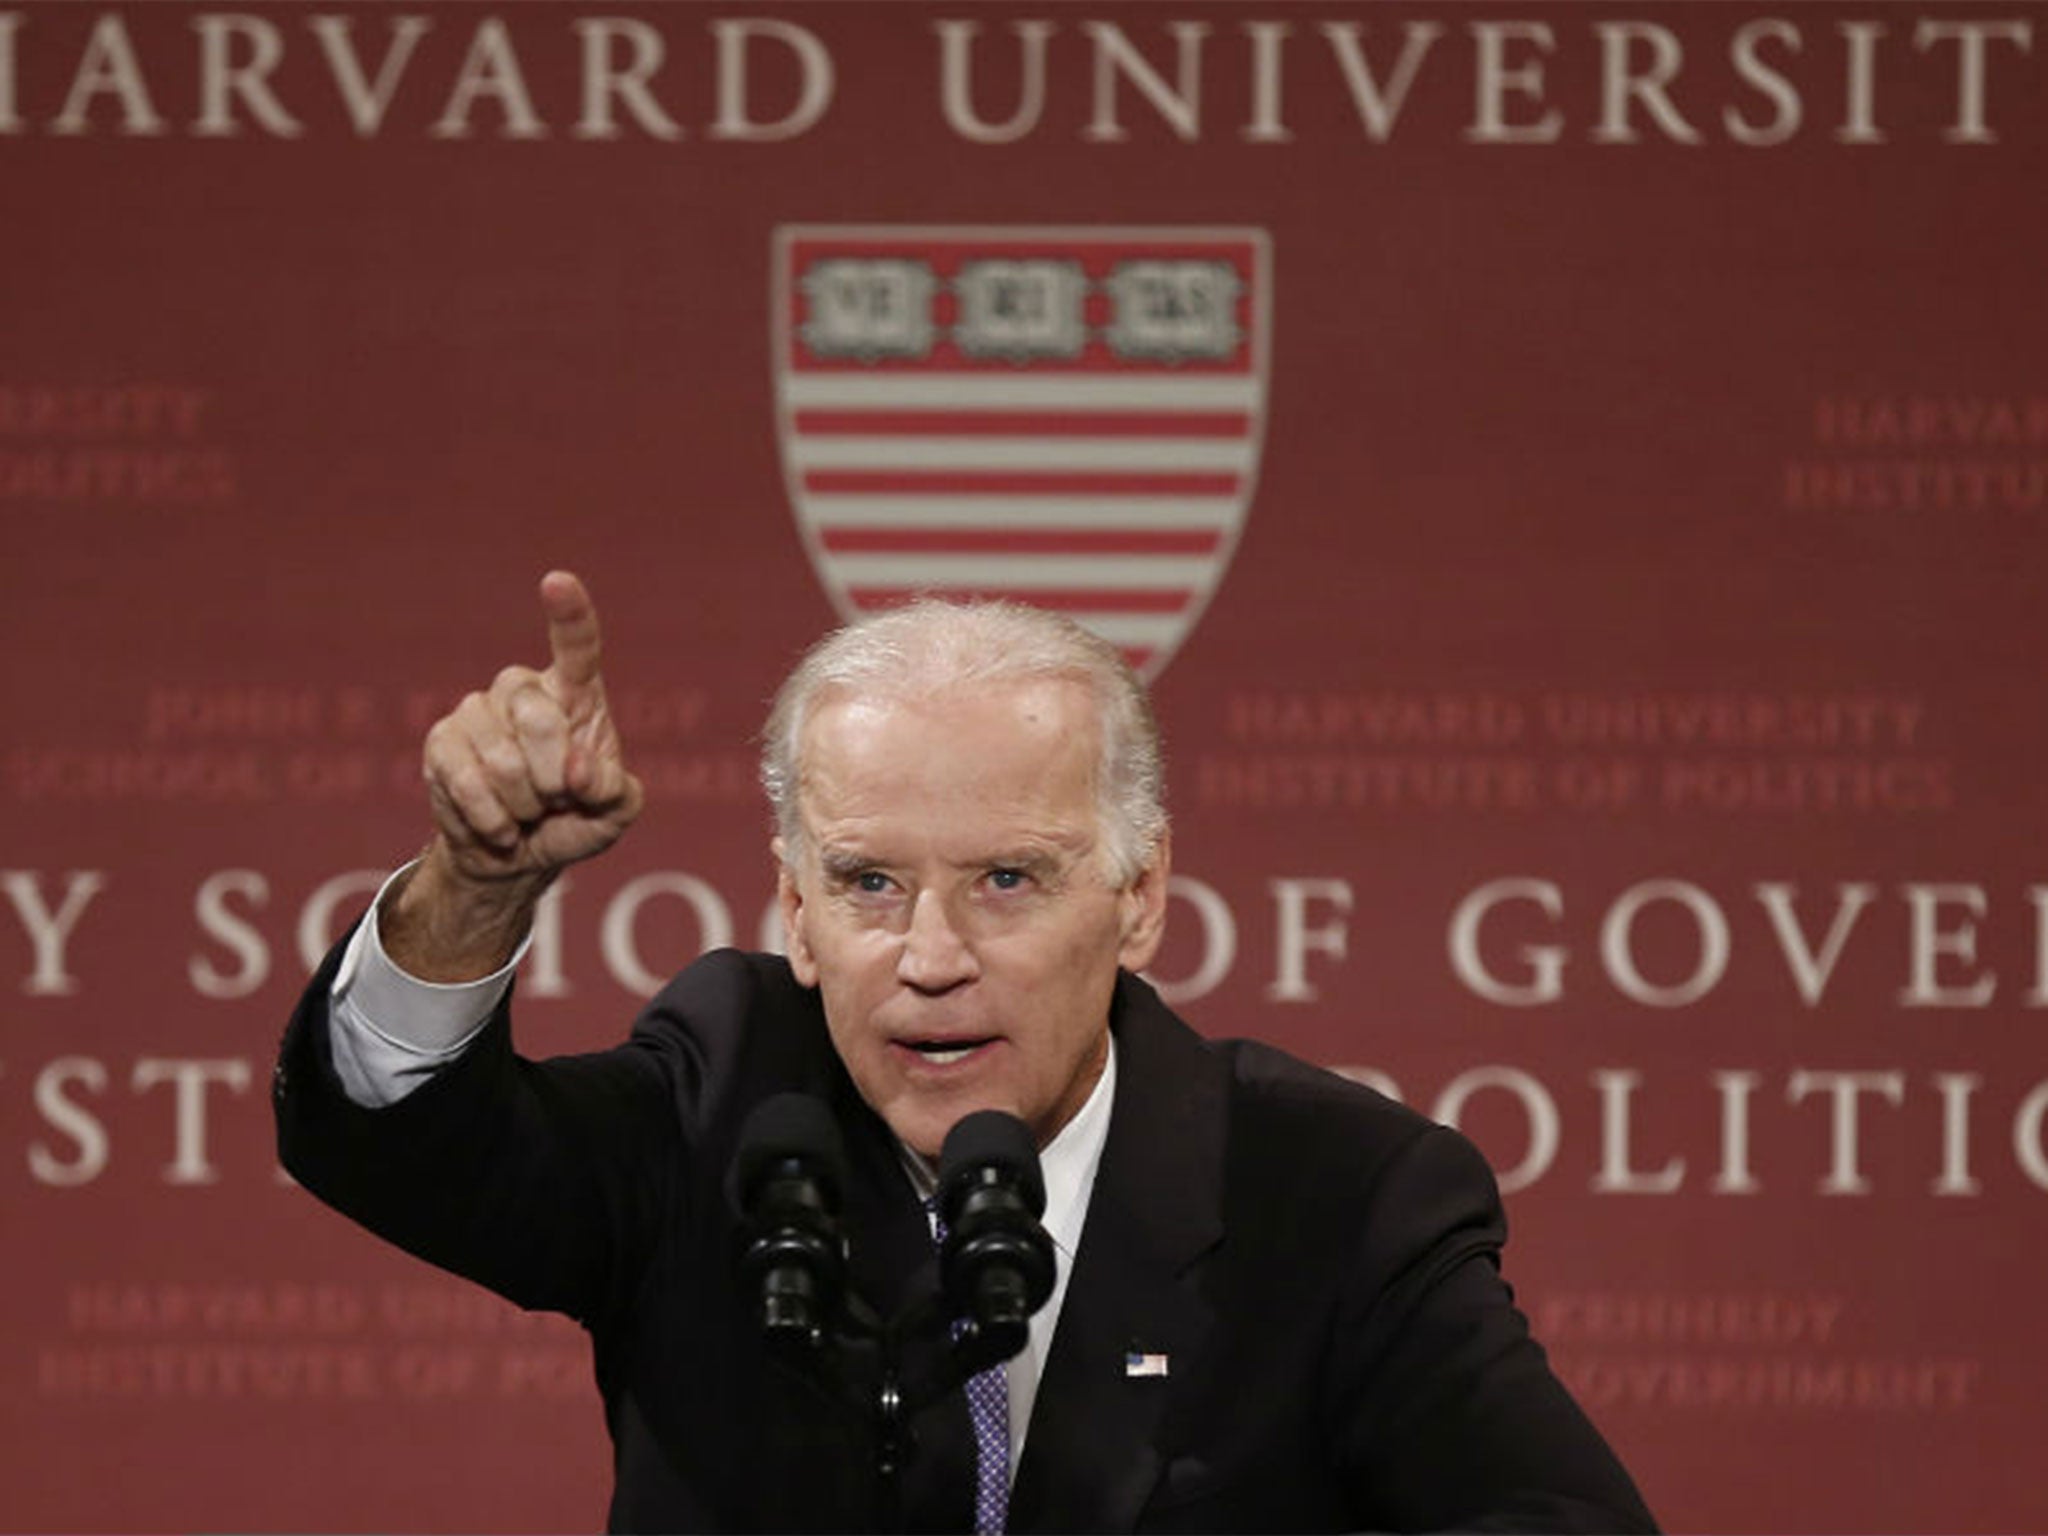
1068 417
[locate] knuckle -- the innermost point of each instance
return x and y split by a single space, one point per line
513 681
501 759
473 707
535 714
463 782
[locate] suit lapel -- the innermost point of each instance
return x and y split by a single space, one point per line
1093 1454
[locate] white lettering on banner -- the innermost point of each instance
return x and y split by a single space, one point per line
956 81
1917 485
10 115
236 934
319 924
490 69
1811 970
1898 454
1510 941
1855 722
735 119
2038 894
1956 1089
66 1115
2029 1146
1495 82
1178 105
1933 422
1622 86
242 1308
235 1372
1617 949
1616 1176
49 932
1970 37
1928 942
1739 1381
1545 961
190 1079
1682 1319
1378 106
1219 941
1505 938
1265 126
1859 111
602 82
367 100
138 412
108 66
222 80
1735 1177
1541 1122
1500 1104
543 976
170 713
1750 65
1544 1125
229 902
617 933
1296 938
1845 1089
1936 77
316 930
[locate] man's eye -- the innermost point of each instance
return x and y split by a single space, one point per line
871 881
1007 879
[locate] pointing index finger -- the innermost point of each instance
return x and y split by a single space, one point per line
572 630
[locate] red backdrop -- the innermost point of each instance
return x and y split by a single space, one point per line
1596 625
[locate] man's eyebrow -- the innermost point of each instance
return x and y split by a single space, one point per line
1030 860
1039 857
842 862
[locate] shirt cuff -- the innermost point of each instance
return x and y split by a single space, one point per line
391 1030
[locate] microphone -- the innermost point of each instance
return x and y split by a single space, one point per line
996 1264
784 1183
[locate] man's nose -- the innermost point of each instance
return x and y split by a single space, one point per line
935 954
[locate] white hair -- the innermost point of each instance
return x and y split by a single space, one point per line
931 646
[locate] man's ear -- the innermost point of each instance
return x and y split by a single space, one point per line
789 901
1143 909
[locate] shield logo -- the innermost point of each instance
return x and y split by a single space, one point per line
1070 417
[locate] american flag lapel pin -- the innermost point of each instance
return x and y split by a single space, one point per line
1143 1362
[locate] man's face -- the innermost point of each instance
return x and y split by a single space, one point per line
953 904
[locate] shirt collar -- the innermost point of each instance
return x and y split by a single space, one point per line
1067 1163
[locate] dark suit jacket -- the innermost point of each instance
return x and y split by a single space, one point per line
1318 1265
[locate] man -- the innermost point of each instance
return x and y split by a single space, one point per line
1278 1304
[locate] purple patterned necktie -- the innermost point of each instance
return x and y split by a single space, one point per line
988 1410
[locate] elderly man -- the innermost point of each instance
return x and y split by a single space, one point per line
1277 1302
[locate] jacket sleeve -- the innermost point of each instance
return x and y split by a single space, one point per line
1443 1405
540 1180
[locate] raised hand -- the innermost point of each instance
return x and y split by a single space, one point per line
524 779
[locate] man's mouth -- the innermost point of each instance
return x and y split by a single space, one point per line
942 1053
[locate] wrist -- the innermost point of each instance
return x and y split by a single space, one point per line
441 925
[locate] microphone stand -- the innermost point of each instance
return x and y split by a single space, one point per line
897 1389
996 1269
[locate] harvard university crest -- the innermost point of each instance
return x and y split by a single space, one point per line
1069 417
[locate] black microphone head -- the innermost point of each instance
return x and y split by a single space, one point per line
990 1139
783 1128
996 1266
